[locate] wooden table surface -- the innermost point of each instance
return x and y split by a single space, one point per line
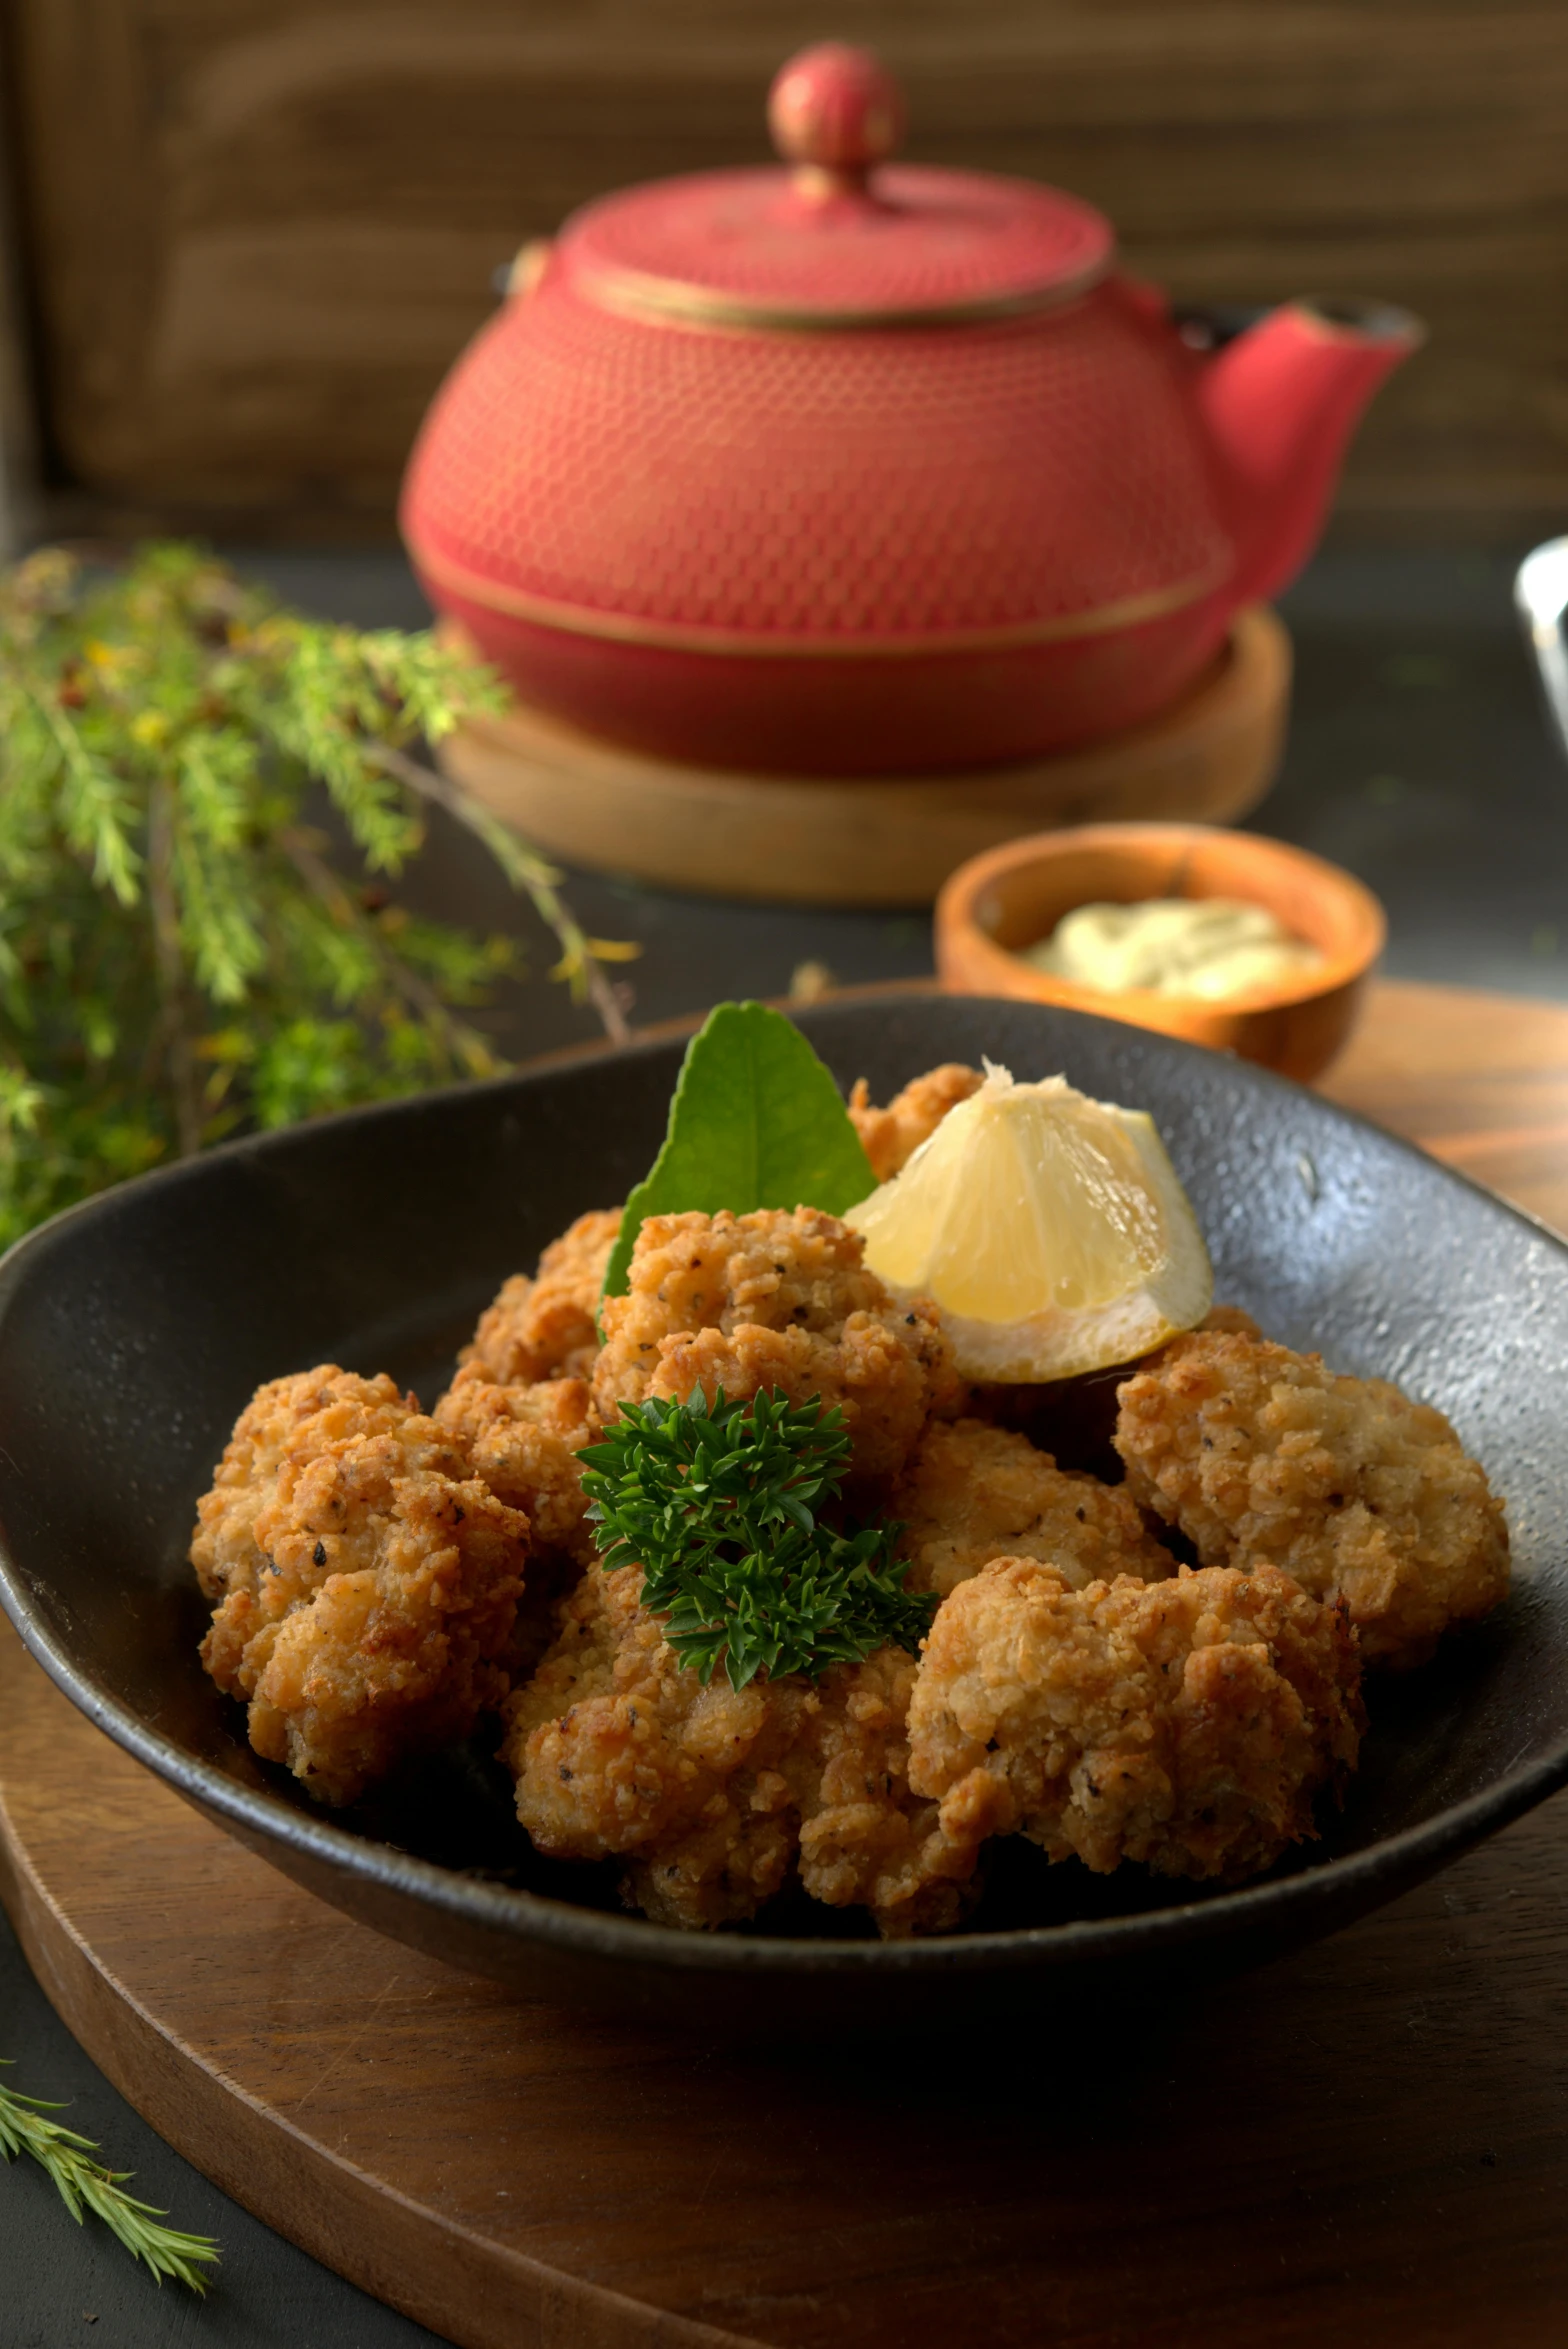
1365 2144
1480 1080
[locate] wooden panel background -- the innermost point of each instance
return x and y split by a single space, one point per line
257 231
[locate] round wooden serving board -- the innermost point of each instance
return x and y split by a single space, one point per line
885 841
1362 2145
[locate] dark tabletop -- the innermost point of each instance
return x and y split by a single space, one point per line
1417 758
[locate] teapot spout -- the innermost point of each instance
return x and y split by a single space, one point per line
1281 403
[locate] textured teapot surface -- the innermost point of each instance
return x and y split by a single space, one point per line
837 466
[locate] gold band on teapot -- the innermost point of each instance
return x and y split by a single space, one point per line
1129 611
661 301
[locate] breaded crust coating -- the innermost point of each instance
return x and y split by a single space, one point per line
890 1137
617 1750
780 1300
716 1795
369 1584
974 1492
865 1839
524 1441
544 1328
1362 1495
301 1414
1186 1724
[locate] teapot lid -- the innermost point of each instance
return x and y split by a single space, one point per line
830 240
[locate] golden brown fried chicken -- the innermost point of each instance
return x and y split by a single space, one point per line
715 1795
1186 1724
890 1137
334 1405
618 1750
780 1300
974 1492
865 1839
367 1583
1362 1495
524 1441
544 1328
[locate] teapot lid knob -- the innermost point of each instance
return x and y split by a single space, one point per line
835 111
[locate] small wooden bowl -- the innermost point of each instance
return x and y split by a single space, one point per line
1013 895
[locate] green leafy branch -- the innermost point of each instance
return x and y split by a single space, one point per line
83 2183
183 950
582 958
720 1507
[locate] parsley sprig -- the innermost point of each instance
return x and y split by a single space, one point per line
84 2183
720 1506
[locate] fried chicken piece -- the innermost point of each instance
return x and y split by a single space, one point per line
974 1492
865 1839
890 1137
332 1405
544 1328
367 1583
715 1795
618 1750
1362 1495
524 1441
1186 1724
780 1300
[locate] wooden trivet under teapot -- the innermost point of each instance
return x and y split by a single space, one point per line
877 840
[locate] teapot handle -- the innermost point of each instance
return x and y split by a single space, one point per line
1541 600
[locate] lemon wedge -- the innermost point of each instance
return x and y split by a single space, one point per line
1051 1230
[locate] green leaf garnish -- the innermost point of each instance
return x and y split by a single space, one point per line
756 1121
719 1506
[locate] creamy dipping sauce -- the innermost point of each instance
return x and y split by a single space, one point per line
1209 947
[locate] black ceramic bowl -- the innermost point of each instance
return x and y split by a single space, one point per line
133 1330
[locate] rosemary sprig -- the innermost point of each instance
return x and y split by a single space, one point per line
720 1507
83 2183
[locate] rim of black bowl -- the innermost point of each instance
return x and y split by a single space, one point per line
1406 1857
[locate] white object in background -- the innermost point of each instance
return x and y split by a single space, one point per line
1541 598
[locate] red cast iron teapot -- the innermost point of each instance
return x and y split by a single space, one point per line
854 467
